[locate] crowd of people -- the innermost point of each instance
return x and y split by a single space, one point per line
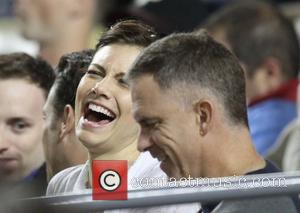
218 101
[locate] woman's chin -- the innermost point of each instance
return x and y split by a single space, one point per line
91 141
92 137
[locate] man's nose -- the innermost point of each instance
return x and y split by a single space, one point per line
144 142
4 144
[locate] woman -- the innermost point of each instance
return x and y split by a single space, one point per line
103 119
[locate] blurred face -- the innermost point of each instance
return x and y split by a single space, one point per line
51 131
168 130
103 118
21 125
59 140
256 86
261 83
40 19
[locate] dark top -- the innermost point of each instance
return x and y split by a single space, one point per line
33 185
270 168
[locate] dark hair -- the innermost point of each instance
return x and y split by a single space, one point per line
130 32
70 69
23 66
196 60
256 30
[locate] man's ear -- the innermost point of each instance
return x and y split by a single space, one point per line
203 110
68 121
273 72
273 67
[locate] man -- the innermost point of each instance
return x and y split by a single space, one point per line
194 119
24 86
60 141
59 26
266 44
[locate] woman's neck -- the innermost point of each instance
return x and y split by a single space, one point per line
129 153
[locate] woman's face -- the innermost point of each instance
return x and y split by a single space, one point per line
104 122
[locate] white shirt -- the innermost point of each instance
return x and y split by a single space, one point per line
73 181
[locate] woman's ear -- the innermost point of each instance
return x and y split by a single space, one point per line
203 110
68 121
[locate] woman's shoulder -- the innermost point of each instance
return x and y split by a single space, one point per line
65 180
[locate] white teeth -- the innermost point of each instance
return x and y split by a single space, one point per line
100 109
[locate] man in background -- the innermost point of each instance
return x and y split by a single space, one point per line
59 26
61 145
24 86
266 45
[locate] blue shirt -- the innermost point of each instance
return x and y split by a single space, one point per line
266 121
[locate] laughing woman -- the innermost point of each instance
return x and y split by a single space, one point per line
103 119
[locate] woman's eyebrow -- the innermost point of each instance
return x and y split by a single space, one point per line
99 67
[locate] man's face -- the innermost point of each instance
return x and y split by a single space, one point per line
103 117
262 83
51 131
168 128
21 129
59 140
40 19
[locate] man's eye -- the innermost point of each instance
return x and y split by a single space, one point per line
123 82
19 126
150 125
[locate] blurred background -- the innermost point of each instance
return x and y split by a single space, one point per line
28 25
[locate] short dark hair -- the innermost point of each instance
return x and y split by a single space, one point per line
23 66
256 30
196 60
70 69
130 32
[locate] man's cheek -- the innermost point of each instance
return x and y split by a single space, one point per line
164 142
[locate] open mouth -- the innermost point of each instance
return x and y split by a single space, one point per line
98 114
